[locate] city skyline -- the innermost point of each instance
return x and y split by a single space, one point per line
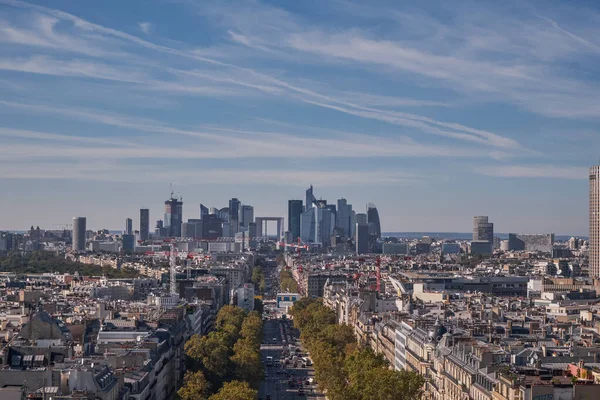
434 113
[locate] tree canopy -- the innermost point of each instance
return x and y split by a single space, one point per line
43 262
230 352
195 386
342 368
235 390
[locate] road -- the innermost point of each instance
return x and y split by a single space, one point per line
276 381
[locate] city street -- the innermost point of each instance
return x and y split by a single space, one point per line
276 381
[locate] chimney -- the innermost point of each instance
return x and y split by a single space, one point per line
544 351
581 364
508 328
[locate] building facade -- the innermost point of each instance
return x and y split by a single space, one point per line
144 224
173 217
295 209
79 227
594 252
483 229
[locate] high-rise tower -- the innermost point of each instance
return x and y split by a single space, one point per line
234 214
173 217
594 252
144 224
373 221
79 234
295 209
246 215
483 229
128 226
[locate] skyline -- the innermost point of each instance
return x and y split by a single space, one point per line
434 114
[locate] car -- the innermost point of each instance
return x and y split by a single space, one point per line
300 392
268 397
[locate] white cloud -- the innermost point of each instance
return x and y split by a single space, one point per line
238 76
145 27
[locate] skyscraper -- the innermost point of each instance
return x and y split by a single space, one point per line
310 198
483 229
203 211
362 235
128 226
317 224
246 215
343 217
373 221
173 217
594 252
144 224
79 234
295 208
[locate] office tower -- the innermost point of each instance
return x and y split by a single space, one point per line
317 224
128 226
203 211
144 224
373 221
234 214
223 213
343 218
483 229
128 243
594 251
352 223
246 215
79 234
212 227
295 209
361 219
310 198
362 237
173 217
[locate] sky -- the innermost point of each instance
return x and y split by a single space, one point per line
435 111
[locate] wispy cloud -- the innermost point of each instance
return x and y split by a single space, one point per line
241 76
534 171
145 27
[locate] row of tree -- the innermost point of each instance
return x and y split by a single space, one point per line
345 370
287 281
43 261
225 364
258 278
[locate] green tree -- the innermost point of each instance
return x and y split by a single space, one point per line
252 329
235 390
195 386
229 314
212 351
246 359
229 320
357 366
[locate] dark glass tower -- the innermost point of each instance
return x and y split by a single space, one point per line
173 217
295 209
373 221
144 224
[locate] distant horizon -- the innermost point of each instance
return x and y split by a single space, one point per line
415 234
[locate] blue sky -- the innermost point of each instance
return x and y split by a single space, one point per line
435 111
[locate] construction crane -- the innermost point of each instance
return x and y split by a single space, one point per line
173 270
298 247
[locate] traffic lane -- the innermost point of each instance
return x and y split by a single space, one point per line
272 384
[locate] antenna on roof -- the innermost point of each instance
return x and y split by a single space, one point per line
171 185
